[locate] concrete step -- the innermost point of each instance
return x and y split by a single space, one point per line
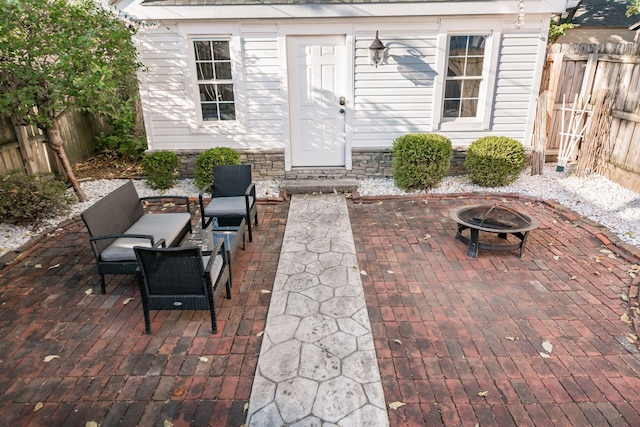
325 186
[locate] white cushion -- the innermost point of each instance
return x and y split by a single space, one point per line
161 226
227 206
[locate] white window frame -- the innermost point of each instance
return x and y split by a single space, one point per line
195 32
215 81
476 27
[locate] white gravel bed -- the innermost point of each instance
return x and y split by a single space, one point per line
595 197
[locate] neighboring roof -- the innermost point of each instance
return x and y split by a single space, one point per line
603 13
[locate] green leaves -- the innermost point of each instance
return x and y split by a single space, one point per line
57 54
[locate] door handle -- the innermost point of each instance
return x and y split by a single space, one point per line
342 100
342 110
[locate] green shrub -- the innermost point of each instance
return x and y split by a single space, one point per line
161 169
125 144
208 159
494 161
420 161
28 199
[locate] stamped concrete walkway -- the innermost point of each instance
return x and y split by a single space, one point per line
317 364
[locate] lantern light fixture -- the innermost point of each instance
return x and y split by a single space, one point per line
376 51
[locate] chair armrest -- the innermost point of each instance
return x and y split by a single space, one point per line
185 199
217 249
118 236
251 191
160 244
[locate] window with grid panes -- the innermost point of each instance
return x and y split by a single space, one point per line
464 75
215 79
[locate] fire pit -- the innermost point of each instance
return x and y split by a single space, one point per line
492 219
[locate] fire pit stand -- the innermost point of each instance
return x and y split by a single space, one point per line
492 219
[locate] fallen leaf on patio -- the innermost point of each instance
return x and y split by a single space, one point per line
54 266
605 251
512 338
50 357
178 392
483 393
624 297
626 320
396 405
597 273
91 424
37 266
397 225
127 301
88 291
167 423
556 257
573 277
335 191
390 271
548 347
427 236
264 291
38 406
362 272
246 407
628 233
545 355
203 359
397 341
379 202
259 334
612 256
169 205
632 338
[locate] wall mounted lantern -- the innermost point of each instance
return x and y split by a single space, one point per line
376 51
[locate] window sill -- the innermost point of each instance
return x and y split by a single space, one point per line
461 125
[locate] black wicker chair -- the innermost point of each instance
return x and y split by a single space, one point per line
233 197
182 279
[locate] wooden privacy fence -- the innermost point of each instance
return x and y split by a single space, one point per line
24 148
607 78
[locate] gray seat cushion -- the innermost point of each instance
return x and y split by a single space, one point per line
161 226
227 206
215 269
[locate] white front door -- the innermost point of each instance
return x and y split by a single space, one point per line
317 98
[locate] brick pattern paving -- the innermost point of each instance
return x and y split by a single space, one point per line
459 340
108 369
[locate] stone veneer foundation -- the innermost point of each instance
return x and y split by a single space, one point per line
269 164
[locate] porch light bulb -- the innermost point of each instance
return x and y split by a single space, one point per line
376 51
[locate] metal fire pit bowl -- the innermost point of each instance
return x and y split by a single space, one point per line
492 219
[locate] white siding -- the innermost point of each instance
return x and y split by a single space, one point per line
396 97
515 84
170 96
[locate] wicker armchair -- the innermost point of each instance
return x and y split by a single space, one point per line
233 197
182 279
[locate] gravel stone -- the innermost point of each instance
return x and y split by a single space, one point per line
593 196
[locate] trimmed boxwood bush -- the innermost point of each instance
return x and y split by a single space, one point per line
494 161
208 159
28 199
161 169
420 160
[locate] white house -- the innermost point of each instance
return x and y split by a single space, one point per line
293 86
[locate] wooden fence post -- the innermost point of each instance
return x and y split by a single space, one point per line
540 135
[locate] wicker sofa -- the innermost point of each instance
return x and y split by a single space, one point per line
118 222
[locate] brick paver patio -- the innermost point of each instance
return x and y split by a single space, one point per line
458 340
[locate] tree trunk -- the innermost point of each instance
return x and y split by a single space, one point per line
56 144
